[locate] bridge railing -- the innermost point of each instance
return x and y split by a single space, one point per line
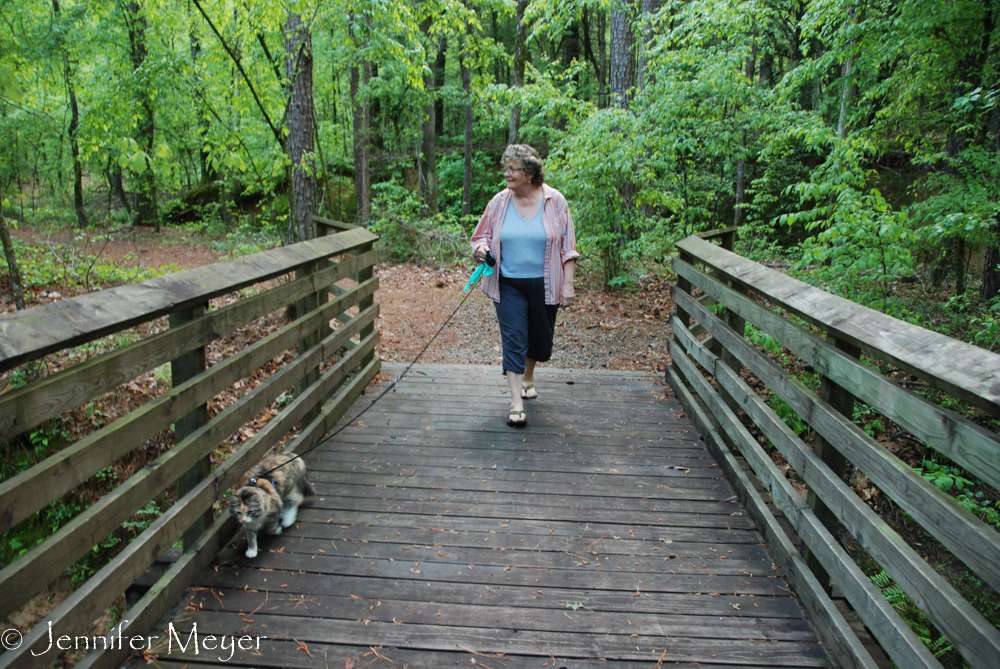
328 372
707 375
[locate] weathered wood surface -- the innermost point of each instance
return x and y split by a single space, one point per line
842 643
901 643
76 614
965 535
971 445
23 408
499 543
26 335
966 371
33 488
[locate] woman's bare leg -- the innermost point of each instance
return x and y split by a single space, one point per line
514 381
529 378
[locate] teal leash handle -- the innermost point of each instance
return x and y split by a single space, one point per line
481 271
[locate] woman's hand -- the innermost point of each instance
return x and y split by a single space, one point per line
480 253
568 295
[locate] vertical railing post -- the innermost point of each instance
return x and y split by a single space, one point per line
684 285
302 307
736 323
842 400
364 275
183 368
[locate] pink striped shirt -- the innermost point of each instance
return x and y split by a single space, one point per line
560 240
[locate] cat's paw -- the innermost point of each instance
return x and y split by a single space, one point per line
288 517
251 553
277 530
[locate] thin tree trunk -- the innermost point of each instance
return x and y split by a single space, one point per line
649 8
12 267
301 130
622 57
361 121
195 45
439 72
848 88
427 163
74 126
517 74
146 211
467 87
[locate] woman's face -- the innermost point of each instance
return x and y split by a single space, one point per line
515 175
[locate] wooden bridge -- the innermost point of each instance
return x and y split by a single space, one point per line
631 524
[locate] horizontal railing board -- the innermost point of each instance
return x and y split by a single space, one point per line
78 612
167 590
902 644
30 334
34 571
840 641
967 537
23 408
966 371
974 447
32 489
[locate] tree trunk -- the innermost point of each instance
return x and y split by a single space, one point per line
622 57
848 88
301 130
439 71
12 267
74 126
195 44
361 112
145 195
427 164
598 61
649 8
517 75
467 87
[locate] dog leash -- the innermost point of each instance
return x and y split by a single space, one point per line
485 269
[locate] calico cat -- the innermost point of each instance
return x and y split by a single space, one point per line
256 507
273 503
289 479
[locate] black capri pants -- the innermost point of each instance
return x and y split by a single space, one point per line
527 324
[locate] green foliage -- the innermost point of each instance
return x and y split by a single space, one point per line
788 415
943 476
407 236
909 612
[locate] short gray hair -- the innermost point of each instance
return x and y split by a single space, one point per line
530 161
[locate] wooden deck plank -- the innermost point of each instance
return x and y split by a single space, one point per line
439 535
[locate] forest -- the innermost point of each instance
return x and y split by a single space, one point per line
856 142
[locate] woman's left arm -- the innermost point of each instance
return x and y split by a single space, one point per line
569 255
568 292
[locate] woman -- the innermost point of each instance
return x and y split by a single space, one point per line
528 229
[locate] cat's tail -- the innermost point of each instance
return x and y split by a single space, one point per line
307 488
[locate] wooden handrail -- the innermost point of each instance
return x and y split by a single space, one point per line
968 372
942 362
30 334
329 371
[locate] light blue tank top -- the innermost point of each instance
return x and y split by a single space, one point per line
522 245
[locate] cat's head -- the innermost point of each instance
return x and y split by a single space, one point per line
247 505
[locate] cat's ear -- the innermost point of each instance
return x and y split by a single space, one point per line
234 500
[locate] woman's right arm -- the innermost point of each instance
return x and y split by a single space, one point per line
482 235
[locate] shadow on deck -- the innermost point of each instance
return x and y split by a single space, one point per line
601 535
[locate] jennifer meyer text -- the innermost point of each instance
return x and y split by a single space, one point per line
223 644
